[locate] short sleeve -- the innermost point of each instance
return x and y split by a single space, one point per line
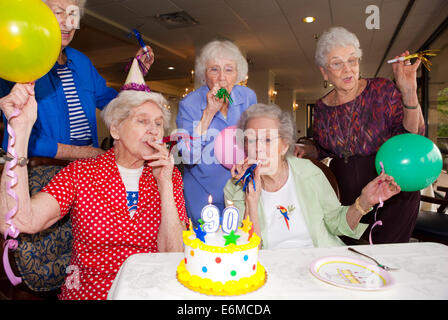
62 188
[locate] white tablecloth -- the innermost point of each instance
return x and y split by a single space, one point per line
423 274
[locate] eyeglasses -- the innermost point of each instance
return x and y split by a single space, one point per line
260 141
215 70
339 64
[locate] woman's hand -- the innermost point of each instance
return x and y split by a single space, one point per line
406 78
214 104
21 98
146 58
238 170
162 163
382 187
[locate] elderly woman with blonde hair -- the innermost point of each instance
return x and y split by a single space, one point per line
203 115
291 203
354 119
128 200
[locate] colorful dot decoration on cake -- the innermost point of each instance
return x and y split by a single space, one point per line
225 268
217 288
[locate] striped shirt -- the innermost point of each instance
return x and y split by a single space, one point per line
80 133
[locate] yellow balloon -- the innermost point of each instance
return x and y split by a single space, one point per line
30 40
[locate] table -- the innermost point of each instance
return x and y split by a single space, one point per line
423 275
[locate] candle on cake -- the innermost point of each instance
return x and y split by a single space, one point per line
230 218
210 217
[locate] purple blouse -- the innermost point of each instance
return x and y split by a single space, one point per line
361 126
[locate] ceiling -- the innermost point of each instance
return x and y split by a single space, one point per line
270 32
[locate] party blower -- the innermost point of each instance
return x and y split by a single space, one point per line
30 46
420 55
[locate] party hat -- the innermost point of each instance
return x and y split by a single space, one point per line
134 80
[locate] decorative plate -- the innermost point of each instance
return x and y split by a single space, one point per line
351 273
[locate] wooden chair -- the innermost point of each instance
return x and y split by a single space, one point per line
433 226
327 171
329 174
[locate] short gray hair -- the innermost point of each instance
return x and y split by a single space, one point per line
286 126
120 108
80 3
218 49
335 37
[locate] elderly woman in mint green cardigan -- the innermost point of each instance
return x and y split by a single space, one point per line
293 204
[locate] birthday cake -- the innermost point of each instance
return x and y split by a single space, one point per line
221 264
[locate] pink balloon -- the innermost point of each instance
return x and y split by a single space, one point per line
227 151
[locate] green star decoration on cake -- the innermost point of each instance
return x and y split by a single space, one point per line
231 238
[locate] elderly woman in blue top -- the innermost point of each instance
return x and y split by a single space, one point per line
67 96
203 115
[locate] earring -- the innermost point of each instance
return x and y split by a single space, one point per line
325 84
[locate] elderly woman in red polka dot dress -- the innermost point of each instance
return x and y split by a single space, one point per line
128 200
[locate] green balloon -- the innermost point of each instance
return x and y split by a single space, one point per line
412 160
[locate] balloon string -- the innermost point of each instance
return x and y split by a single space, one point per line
12 231
381 203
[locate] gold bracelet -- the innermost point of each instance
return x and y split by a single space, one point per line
361 210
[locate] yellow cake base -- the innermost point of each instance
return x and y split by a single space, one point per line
217 288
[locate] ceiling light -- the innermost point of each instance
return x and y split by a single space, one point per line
309 19
171 68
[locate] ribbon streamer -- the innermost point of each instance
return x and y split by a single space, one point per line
12 231
381 203
420 55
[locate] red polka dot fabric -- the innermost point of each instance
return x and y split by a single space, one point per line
104 235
